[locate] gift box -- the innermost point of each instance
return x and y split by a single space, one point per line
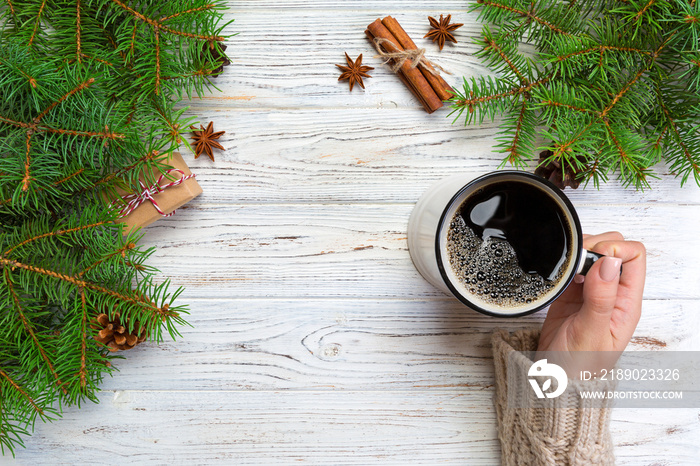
171 190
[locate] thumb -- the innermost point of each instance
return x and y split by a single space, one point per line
600 293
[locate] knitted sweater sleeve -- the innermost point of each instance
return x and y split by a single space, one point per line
566 432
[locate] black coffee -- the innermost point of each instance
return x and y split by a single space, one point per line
508 243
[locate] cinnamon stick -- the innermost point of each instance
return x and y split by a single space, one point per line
439 85
420 86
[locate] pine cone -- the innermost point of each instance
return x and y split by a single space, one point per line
219 58
116 336
553 172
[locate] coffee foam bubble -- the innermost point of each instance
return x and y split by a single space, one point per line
489 271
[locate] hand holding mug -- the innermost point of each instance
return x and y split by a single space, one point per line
601 312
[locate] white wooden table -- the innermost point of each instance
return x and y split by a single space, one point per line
313 338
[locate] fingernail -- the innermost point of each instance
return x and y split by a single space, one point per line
610 268
579 279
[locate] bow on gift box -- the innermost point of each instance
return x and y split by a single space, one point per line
134 200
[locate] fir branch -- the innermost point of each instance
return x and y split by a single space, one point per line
27 162
83 338
78 52
19 124
641 12
30 330
12 8
528 15
81 284
498 50
600 49
678 138
515 154
36 23
78 88
57 183
622 92
158 24
191 10
119 252
472 99
88 95
24 394
190 35
53 234
105 135
156 32
599 101
552 103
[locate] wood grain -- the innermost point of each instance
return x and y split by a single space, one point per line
264 74
351 344
338 427
360 250
369 156
313 338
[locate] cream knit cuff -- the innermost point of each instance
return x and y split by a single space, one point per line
565 432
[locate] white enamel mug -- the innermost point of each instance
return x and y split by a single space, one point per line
427 238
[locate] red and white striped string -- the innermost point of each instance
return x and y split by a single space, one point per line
134 200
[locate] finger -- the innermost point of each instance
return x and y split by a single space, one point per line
590 240
600 295
631 287
633 255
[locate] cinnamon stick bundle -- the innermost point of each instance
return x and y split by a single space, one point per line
429 88
439 85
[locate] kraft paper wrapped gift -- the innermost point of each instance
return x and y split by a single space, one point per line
173 189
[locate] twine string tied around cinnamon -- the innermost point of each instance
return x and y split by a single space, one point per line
415 56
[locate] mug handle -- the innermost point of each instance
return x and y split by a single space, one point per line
589 258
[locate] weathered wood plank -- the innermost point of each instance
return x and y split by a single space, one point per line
334 344
656 436
263 427
314 339
341 427
292 65
350 5
307 125
368 156
360 250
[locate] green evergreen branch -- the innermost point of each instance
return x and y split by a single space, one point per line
157 26
36 23
692 163
30 330
517 140
89 93
12 9
500 11
81 284
505 53
599 73
22 392
52 234
485 97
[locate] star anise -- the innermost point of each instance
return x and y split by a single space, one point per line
205 140
354 72
219 57
442 30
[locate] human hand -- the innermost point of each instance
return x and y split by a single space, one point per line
601 312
